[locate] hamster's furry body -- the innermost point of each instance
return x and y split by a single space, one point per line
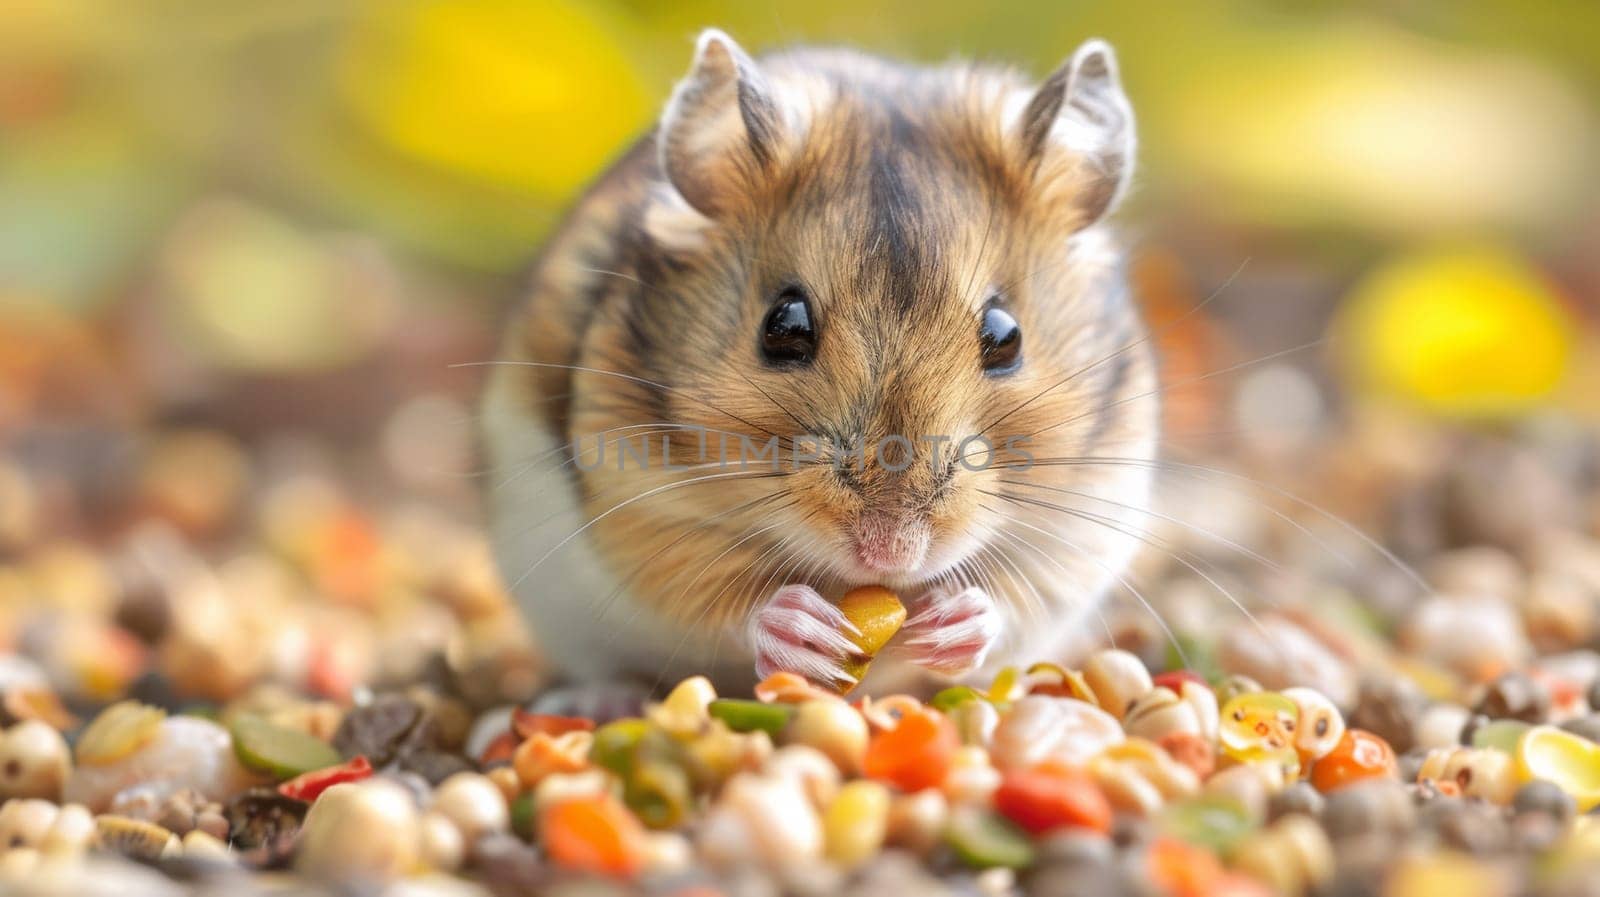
888 209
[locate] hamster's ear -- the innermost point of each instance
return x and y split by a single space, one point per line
721 127
1077 133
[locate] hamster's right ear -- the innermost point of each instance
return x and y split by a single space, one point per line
722 128
1077 134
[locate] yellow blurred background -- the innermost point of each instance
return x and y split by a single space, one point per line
298 215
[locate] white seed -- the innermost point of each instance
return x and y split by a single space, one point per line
1290 856
1117 679
971 779
1433 763
1140 777
764 818
1204 702
1440 726
1311 847
1039 728
666 852
996 882
1320 724
1465 633
442 845
1128 790
71 833
367 830
1250 784
553 789
25 822
474 803
832 727
684 712
808 767
1160 712
187 752
34 761
202 845
1482 773
975 722
917 821
19 864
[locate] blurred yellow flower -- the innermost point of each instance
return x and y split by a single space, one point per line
1368 125
1468 330
535 95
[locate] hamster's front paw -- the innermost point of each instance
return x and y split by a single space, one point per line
951 632
799 631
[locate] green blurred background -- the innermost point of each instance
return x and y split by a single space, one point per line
298 215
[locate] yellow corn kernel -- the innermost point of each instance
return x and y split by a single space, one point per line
856 822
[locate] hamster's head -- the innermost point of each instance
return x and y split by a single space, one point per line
898 282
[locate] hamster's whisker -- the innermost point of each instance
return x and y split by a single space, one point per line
610 599
577 444
1179 384
1203 474
711 564
1149 336
1166 518
605 272
637 498
997 560
1121 527
1080 551
1147 539
618 488
983 246
1039 608
1161 466
705 606
1018 539
804 427
654 384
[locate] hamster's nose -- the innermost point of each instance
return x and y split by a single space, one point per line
891 543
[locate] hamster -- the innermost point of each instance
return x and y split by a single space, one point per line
836 321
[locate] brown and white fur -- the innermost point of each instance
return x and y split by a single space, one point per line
903 199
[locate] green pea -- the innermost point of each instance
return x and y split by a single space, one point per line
750 716
1216 822
954 696
658 793
278 751
1501 735
985 840
522 815
615 743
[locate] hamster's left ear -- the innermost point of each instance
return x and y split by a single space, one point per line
722 128
1077 133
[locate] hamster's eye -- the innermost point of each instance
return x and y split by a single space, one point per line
1001 339
787 335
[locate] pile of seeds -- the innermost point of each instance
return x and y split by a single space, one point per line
257 683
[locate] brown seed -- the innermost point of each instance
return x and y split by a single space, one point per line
1515 696
378 729
1388 707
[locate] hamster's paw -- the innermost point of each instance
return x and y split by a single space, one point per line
951 632
799 631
